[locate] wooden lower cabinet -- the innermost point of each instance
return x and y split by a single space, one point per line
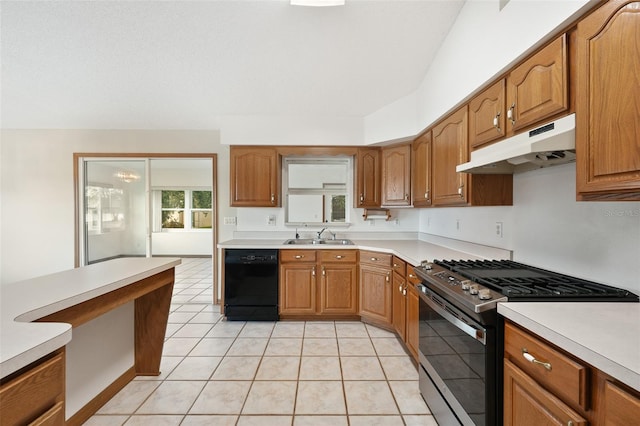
322 282
526 403
338 279
375 288
413 314
35 394
560 389
399 303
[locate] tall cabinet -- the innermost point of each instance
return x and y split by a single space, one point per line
367 179
607 110
396 176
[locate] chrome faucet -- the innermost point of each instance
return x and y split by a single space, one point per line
320 233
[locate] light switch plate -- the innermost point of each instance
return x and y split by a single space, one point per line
230 220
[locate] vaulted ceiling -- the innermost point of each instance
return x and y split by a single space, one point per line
183 64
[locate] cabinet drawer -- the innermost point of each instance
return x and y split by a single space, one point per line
297 256
550 367
412 276
399 266
33 393
338 256
53 417
375 258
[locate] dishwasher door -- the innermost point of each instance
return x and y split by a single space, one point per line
251 284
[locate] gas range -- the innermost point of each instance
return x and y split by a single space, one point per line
480 284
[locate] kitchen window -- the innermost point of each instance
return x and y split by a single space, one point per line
316 190
182 210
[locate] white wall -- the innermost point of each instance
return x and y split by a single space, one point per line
546 227
483 42
37 218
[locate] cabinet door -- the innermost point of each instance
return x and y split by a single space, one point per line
487 116
537 89
413 316
608 105
338 294
255 177
297 289
396 176
450 148
367 191
399 302
526 403
421 170
620 408
375 294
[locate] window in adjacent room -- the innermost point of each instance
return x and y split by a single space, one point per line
183 209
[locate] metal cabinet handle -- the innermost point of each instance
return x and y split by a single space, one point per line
387 279
406 197
511 114
323 271
313 271
299 256
533 359
426 195
460 190
273 199
374 259
404 291
338 256
361 198
400 288
395 265
496 122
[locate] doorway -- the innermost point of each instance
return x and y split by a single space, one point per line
145 205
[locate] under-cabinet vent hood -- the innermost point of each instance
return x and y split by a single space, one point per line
548 145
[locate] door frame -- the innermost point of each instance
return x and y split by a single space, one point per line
149 155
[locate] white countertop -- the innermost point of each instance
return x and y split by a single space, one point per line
605 335
411 251
22 341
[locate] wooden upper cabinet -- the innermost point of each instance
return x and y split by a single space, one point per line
450 148
396 175
421 170
367 182
538 88
608 105
255 177
487 117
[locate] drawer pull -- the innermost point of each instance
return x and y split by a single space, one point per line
299 256
533 359
374 259
338 256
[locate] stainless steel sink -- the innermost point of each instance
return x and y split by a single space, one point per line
307 241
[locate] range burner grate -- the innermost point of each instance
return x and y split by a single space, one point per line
519 281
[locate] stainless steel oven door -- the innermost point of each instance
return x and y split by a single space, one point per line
453 355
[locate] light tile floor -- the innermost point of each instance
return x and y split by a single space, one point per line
218 372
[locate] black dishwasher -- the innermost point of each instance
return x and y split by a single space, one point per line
251 284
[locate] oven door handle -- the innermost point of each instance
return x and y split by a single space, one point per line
477 333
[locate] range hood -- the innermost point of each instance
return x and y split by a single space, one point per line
548 145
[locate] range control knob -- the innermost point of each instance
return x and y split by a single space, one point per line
484 294
426 265
465 285
473 289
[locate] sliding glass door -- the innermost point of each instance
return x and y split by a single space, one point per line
114 199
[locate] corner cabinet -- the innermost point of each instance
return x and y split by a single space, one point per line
375 288
255 177
608 108
396 176
421 170
367 180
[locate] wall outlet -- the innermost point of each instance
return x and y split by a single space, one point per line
271 220
499 229
230 220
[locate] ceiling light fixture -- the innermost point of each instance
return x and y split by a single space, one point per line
317 2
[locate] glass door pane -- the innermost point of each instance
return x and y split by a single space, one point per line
115 209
